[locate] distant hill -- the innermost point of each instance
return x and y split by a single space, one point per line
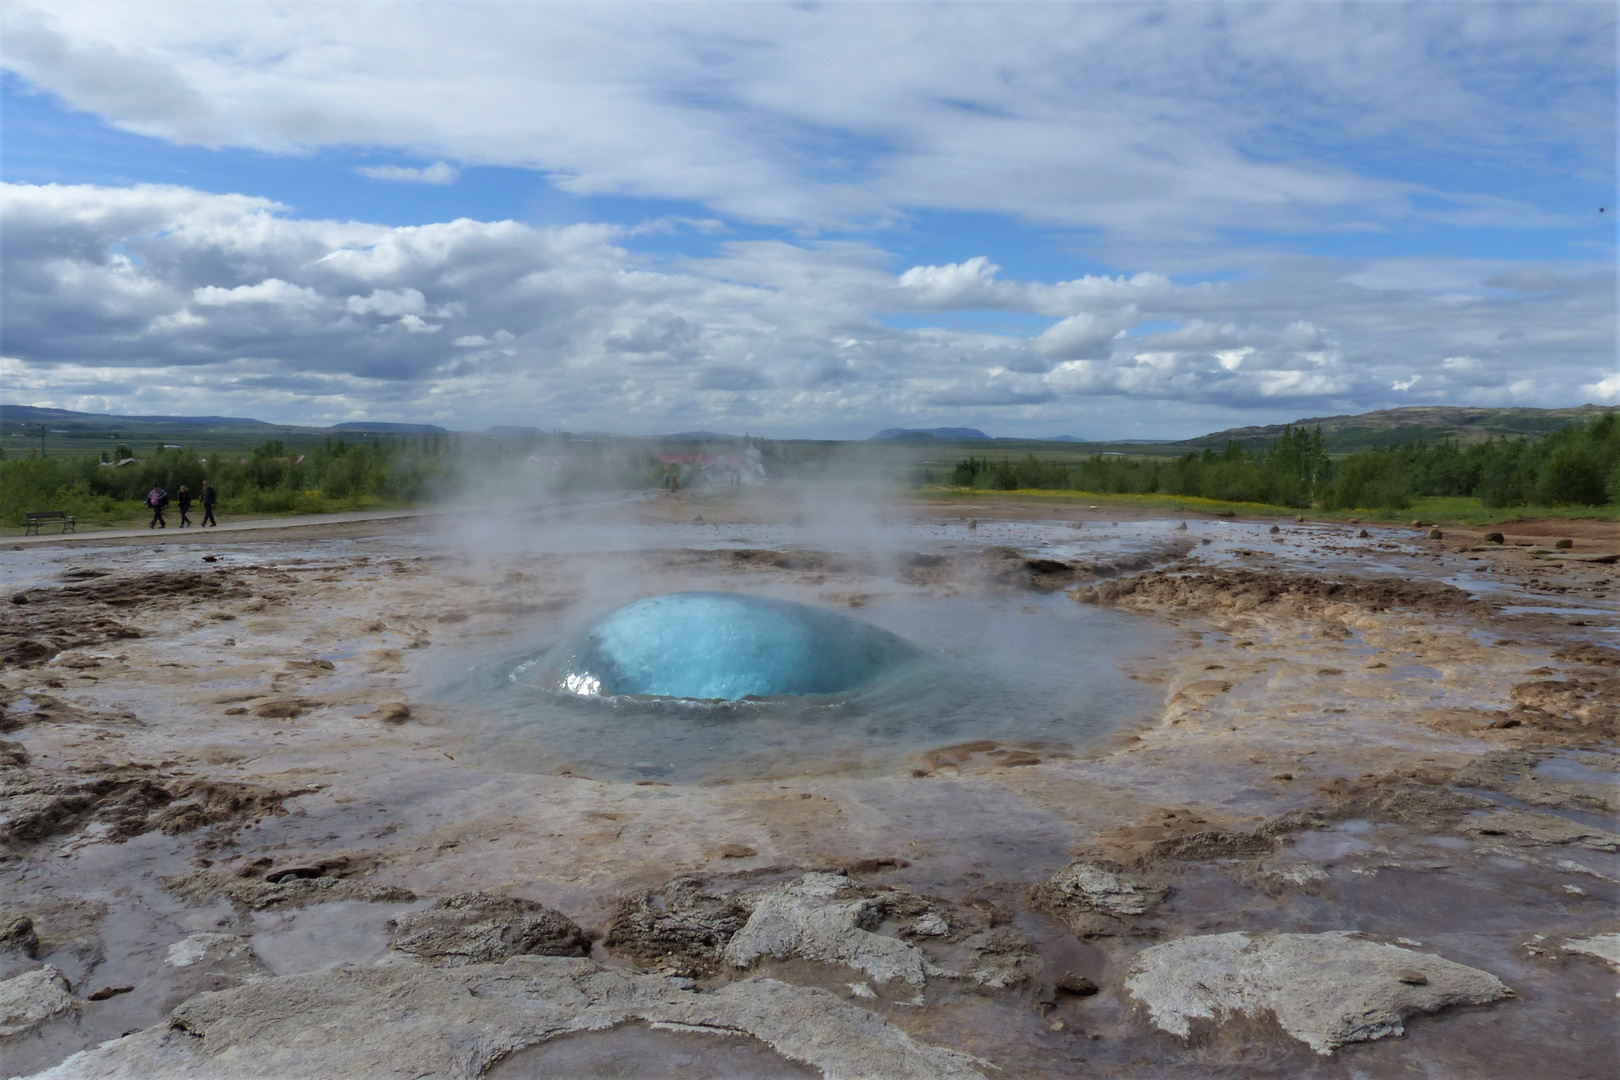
30 414
697 436
383 428
1426 423
938 434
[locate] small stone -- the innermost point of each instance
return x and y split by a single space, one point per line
237 710
210 558
1565 544
17 934
1436 534
19 598
1362 534
1180 528
1416 524
1300 519
106 992
1411 977
698 520
735 851
1495 538
1077 985
392 712
1276 528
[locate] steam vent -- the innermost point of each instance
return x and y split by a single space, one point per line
721 646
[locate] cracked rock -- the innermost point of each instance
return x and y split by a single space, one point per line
483 928
30 999
825 917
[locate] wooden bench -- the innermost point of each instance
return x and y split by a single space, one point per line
36 518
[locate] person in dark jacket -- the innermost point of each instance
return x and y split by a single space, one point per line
156 500
209 497
183 500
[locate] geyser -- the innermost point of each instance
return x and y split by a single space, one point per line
721 646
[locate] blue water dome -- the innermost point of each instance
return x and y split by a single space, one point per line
718 646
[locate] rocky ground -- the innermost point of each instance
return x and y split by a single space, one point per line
1369 832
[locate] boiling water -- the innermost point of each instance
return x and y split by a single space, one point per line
1013 669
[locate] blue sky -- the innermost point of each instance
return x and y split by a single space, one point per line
1110 220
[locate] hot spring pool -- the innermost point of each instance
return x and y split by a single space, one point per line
719 646
693 686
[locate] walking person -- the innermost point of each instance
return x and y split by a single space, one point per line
209 497
183 500
156 500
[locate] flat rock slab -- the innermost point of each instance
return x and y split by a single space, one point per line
1323 989
1605 947
409 1019
30 999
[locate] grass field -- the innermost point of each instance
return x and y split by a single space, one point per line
1454 511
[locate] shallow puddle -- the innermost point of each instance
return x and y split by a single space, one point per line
635 1050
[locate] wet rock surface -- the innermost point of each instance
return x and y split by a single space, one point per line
255 893
1324 989
1337 739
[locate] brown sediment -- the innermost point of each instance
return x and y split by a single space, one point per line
1246 590
126 801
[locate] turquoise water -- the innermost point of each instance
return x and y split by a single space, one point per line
721 646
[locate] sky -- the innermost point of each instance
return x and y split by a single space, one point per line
1105 220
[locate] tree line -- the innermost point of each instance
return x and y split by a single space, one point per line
340 474
1576 466
270 479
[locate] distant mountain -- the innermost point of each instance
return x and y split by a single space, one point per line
1428 423
938 434
383 428
31 414
697 436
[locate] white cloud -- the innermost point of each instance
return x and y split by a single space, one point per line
174 300
1087 334
1605 389
439 173
387 302
1165 124
269 291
